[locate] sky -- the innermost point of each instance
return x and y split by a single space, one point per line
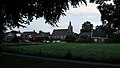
77 16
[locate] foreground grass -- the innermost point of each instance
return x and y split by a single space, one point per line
90 52
20 62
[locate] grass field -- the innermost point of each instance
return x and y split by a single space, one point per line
90 52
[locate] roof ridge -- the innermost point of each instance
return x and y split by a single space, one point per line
60 29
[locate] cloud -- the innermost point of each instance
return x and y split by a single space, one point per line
83 9
91 17
62 25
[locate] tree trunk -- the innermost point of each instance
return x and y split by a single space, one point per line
1 35
0 45
1 41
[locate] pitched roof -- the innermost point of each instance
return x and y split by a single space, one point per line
44 34
59 32
99 33
15 32
5 34
29 32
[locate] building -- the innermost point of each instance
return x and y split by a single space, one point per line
29 35
9 36
62 33
99 35
43 34
32 35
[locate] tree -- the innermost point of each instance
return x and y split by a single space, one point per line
87 27
70 38
110 16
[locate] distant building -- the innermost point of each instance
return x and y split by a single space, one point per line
43 34
10 35
59 33
32 35
62 33
99 35
29 35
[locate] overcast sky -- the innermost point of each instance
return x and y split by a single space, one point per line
76 15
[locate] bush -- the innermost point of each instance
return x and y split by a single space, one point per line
70 38
110 40
114 39
87 40
15 39
39 39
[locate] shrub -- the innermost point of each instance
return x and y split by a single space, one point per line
85 40
70 38
114 39
15 39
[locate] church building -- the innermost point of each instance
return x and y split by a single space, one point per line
62 33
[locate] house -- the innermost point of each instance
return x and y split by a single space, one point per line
9 36
32 35
29 35
59 33
99 35
62 33
43 34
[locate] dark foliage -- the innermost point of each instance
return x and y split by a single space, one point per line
15 39
115 38
85 34
70 38
98 1
85 39
110 15
87 26
16 12
41 39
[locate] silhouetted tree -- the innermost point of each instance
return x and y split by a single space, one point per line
87 26
70 38
110 15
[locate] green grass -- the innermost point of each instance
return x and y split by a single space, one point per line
20 62
91 52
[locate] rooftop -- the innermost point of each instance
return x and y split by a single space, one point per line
59 32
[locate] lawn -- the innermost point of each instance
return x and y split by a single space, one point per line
88 52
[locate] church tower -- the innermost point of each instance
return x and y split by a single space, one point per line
70 29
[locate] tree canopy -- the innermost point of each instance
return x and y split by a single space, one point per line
110 15
14 13
87 25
